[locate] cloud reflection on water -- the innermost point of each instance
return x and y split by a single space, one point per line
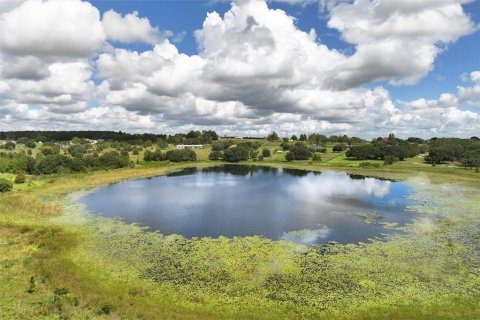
306 236
329 185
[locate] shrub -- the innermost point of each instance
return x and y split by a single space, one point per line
300 151
215 155
30 144
390 160
112 160
316 157
156 155
49 150
20 178
9 145
338 148
181 155
290 156
266 153
51 164
5 185
236 154
77 150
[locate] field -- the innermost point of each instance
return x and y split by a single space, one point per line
59 262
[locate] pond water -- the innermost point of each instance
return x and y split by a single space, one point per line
231 200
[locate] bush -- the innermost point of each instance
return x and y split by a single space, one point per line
181 155
113 160
215 155
9 145
30 144
49 150
266 153
338 148
316 157
5 185
20 178
300 151
77 150
290 156
51 164
236 154
390 160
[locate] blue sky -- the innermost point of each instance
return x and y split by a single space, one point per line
188 16
372 66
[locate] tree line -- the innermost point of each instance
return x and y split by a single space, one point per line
52 163
390 150
193 137
464 151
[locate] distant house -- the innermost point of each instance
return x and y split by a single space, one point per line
318 148
189 146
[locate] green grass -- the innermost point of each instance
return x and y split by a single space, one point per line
59 262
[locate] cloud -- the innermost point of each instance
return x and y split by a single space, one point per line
471 95
255 70
129 28
52 28
396 40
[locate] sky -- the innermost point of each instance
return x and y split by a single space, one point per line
246 67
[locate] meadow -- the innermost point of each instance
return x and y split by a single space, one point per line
57 261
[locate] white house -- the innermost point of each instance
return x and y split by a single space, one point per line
189 146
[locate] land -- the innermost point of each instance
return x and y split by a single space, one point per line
59 262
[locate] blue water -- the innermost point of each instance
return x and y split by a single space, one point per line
295 205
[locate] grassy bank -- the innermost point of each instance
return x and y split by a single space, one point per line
56 261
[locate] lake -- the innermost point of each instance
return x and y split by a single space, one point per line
232 200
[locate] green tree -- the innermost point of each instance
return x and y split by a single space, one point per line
300 151
272 136
236 154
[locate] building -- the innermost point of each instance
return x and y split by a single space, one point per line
189 146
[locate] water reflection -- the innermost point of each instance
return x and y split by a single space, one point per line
306 236
235 200
317 188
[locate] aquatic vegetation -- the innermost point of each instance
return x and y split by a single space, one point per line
369 217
